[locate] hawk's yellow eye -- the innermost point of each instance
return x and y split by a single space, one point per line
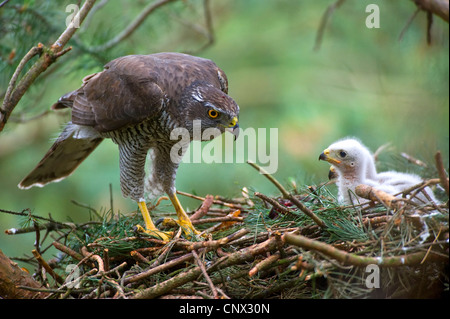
213 114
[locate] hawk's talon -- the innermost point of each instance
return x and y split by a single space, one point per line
127 91
164 236
186 225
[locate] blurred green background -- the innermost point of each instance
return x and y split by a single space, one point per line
362 82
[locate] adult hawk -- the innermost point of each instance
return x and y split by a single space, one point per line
137 101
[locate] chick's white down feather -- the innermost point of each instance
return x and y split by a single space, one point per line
355 165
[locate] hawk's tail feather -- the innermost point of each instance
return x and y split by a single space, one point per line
69 150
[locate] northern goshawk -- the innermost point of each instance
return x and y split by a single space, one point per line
137 101
353 163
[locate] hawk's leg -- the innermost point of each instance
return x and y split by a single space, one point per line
183 219
132 155
150 227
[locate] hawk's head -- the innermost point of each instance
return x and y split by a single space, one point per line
210 108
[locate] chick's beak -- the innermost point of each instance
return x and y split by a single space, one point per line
332 174
325 156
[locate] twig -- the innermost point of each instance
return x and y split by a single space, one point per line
437 7
421 185
158 269
270 178
413 160
287 195
373 194
48 226
264 264
67 251
323 23
93 210
106 259
431 246
357 260
205 274
225 222
215 201
51 225
12 83
130 28
37 241
408 23
203 210
20 118
48 57
207 31
138 257
94 257
441 172
273 202
238 257
218 220
3 3
213 244
46 266
429 25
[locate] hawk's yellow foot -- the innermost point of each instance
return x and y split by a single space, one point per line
150 227
183 219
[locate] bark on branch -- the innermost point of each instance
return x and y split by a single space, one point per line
437 7
12 276
346 258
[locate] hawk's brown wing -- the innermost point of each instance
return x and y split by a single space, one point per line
134 88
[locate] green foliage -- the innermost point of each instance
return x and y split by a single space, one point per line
362 82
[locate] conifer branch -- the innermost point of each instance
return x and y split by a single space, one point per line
289 196
346 258
133 26
47 57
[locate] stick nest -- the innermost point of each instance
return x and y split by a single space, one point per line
257 246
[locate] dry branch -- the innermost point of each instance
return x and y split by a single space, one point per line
215 201
437 7
238 257
150 8
264 264
46 266
248 262
12 277
431 7
376 195
323 23
289 196
273 202
203 210
345 258
441 171
159 268
205 274
67 251
93 257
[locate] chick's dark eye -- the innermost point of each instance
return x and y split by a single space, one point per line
213 114
342 154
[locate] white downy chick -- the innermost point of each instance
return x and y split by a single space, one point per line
354 165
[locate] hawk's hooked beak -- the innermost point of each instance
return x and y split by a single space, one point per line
233 127
325 156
